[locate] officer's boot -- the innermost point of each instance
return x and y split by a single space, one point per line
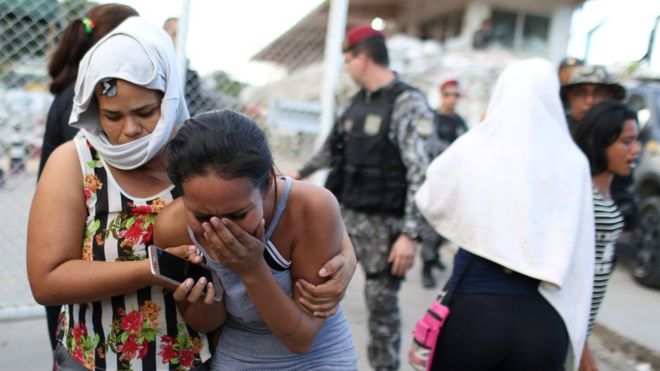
428 280
440 265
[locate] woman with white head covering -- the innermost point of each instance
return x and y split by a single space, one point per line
128 103
89 229
514 193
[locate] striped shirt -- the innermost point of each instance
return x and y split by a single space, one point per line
140 330
609 224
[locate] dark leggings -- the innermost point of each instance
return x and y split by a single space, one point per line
501 332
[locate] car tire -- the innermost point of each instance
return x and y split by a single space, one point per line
646 268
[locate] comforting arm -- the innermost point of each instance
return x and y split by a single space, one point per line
323 300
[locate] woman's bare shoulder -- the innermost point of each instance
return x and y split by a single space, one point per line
313 198
65 155
310 202
62 168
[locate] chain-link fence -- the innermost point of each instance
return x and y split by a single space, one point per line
30 31
288 107
28 34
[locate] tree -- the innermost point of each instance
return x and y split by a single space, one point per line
223 83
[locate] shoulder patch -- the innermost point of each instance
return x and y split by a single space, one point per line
348 125
424 127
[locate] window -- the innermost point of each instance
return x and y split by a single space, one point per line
444 27
520 31
535 34
504 28
637 103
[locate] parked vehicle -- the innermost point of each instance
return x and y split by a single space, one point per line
644 246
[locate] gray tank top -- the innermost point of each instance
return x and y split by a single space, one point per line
246 343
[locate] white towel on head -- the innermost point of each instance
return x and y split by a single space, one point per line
140 53
516 190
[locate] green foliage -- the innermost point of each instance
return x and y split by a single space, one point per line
223 83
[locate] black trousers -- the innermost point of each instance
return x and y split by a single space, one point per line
501 332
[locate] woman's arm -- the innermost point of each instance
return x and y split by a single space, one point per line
323 300
203 314
313 245
56 270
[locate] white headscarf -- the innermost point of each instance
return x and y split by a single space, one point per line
516 190
141 53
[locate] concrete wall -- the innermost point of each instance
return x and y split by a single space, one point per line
560 26
475 11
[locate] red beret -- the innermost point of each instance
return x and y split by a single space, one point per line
447 83
360 33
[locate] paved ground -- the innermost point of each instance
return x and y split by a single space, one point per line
414 299
24 344
632 309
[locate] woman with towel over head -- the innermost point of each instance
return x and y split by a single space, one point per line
514 194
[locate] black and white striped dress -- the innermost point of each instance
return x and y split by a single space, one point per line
609 224
140 330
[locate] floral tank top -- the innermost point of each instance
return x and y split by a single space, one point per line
141 330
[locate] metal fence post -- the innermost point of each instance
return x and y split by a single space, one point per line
331 67
181 40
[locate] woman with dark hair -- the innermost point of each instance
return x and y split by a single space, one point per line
78 36
259 232
94 207
607 134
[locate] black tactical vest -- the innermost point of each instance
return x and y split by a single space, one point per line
367 171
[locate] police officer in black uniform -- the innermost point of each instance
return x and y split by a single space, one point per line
377 156
449 125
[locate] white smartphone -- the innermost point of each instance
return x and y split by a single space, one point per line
175 270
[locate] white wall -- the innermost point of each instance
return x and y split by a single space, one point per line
560 26
475 13
560 13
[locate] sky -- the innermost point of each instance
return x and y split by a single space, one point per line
224 34
623 35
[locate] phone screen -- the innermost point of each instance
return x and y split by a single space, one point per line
178 269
